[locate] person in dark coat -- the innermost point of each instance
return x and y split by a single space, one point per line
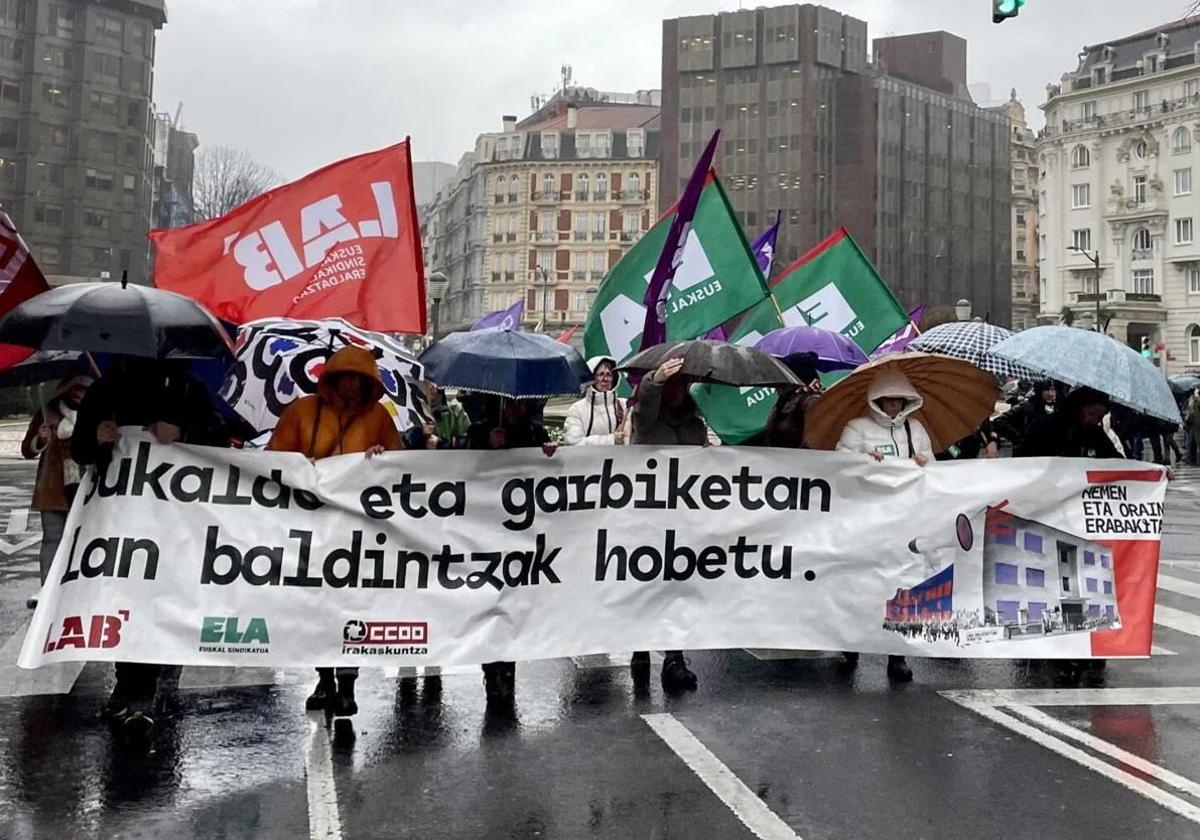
1015 423
175 407
785 426
506 424
1076 430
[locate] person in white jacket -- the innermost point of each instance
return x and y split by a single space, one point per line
888 430
597 419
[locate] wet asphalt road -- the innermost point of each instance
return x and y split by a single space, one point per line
770 746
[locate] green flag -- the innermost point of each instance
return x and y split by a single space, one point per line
834 287
717 279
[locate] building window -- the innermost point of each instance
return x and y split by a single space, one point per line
126 220
97 219
129 183
1035 577
10 91
1183 231
632 223
55 174
581 222
601 145
546 225
634 188
1191 88
1143 243
1108 587
1081 196
1105 561
1089 558
1140 149
1183 181
1088 110
104 64
599 264
61 20
48 214
56 135
549 144
1193 337
549 186
95 180
1081 238
599 225
581 187
98 257
1093 611
56 95
109 29
1141 100
601 187
1004 535
1021 218
1143 281
11 48
1033 542
1066 584
137 35
56 57
1139 189
635 142
103 103
9 131
47 254
1036 608
1093 585
1006 573
1181 141
1081 158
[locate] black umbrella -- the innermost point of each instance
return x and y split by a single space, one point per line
43 366
715 361
116 318
519 365
1181 385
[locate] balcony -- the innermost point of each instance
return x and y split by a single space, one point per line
579 275
599 235
1133 116
495 276
512 198
1142 254
545 198
633 196
629 236
600 195
509 276
498 198
581 196
544 236
580 235
497 237
511 236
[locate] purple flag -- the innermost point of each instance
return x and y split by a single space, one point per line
655 329
508 319
764 247
903 337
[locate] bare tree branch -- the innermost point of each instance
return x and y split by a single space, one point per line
226 178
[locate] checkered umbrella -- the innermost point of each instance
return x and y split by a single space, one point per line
971 341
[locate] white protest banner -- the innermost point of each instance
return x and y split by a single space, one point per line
201 556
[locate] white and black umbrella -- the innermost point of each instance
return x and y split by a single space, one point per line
972 342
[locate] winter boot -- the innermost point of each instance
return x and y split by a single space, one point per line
138 721
898 670
498 680
117 705
676 675
344 704
323 695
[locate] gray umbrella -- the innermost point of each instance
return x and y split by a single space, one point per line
715 361
116 318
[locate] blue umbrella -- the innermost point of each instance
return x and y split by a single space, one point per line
518 365
1093 360
834 351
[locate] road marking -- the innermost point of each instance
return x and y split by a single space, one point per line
1057 745
1111 750
1172 696
18 521
1155 650
1173 619
748 808
324 821
600 661
15 681
1179 586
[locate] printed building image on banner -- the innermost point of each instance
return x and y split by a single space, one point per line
1027 580
1037 579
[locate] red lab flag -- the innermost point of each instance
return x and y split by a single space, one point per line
343 242
20 279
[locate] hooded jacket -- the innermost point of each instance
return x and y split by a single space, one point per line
1061 434
895 436
592 420
55 469
321 424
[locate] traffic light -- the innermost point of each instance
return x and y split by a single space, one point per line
1002 10
1146 351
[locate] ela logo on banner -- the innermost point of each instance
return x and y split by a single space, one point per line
219 631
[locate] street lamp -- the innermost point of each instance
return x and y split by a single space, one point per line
436 284
962 310
1095 261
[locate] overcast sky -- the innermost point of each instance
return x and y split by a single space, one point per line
301 83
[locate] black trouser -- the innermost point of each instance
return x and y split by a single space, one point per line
329 673
137 679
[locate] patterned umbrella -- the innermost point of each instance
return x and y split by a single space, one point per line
971 341
1093 360
278 360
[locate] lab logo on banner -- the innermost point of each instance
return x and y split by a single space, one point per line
93 632
377 638
227 634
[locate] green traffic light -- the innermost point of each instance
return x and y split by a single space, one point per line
1004 9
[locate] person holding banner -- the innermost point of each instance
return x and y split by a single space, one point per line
48 439
161 397
505 423
344 416
666 415
888 429
596 420
785 426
